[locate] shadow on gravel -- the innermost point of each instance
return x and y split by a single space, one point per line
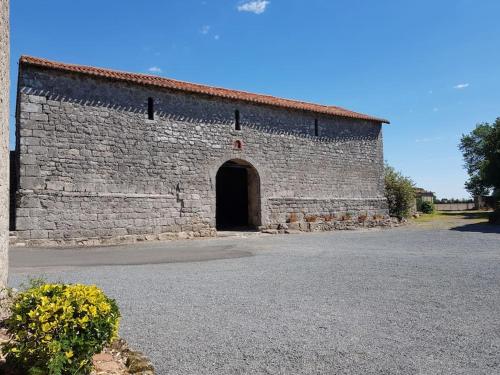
478 227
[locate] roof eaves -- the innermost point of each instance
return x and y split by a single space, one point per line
156 81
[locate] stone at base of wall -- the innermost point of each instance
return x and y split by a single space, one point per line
288 228
119 240
318 225
321 225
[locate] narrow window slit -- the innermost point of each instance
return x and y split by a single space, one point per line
237 124
151 109
316 128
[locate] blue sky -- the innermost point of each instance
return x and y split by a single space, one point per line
431 67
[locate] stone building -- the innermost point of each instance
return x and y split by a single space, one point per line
4 140
424 195
107 155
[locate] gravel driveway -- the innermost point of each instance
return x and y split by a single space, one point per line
402 301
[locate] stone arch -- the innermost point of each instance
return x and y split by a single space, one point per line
237 195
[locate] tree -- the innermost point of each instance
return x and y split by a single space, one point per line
481 152
399 191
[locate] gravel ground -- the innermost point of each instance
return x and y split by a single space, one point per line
402 301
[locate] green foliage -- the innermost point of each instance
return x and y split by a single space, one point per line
427 207
399 191
57 328
481 152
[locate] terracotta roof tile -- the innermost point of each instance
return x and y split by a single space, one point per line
172 84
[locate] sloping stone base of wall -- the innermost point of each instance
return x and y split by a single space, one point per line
333 224
320 225
311 215
290 228
108 241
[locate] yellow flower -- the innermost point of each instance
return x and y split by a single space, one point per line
45 327
92 310
69 354
44 317
83 321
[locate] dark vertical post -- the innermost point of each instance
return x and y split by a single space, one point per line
237 124
151 109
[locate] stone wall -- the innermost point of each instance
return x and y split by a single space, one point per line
91 164
4 139
454 206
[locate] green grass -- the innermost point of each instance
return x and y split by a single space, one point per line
424 218
449 215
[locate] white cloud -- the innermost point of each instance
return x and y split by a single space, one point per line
216 37
256 6
435 109
154 69
461 86
205 29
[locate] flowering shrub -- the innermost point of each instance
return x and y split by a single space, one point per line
57 328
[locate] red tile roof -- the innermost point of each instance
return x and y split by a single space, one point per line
156 81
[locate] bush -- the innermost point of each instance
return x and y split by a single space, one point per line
426 207
57 328
399 191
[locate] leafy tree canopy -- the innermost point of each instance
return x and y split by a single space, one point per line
481 152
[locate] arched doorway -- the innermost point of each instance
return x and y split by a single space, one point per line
237 196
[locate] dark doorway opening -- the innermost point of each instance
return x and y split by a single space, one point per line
237 196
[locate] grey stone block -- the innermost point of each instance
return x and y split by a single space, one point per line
39 117
30 107
37 99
